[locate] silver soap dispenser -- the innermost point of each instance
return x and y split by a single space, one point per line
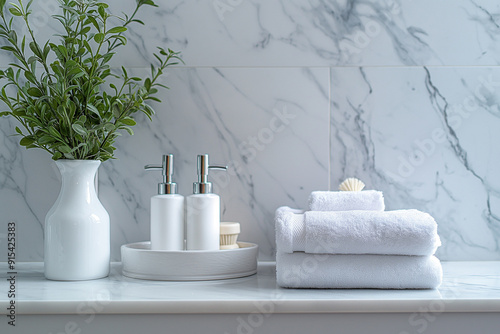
167 210
203 211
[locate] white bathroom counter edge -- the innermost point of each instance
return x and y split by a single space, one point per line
467 287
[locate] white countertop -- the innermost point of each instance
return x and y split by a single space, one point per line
467 287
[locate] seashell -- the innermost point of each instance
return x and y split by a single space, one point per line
351 184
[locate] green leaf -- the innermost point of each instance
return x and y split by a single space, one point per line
99 37
19 112
116 30
87 46
63 51
46 50
147 2
92 108
64 148
108 149
57 155
138 21
77 75
26 141
101 11
80 52
93 21
30 77
109 127
129 130
9 48
147 83
153 98
15 12
117 110
128 121
121 38
79 129
107 57
84 30
2 4
54 132
45 140
13 36
35 49
35 92
31 60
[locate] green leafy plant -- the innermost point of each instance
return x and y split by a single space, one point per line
56 90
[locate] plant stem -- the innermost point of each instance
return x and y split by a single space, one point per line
42 61
113 45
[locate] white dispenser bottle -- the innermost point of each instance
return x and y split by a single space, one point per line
203 211
167 210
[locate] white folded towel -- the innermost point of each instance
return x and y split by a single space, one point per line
401 232
346 200
302 270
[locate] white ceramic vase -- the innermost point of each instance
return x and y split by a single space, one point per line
77 231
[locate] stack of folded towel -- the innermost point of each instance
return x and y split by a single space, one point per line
347 240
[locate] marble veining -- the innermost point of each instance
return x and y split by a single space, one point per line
466 287
425 147
314 33
322 33
259 121
249 127
295 96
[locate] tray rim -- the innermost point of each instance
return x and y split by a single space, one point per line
129 246
136 274
150 277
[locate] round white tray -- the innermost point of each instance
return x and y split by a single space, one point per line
139 261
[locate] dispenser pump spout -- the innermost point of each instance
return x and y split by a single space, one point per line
167 170
203 186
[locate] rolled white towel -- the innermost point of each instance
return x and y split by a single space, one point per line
346 200
401 232
302 270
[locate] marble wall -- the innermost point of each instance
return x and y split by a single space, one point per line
296 96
